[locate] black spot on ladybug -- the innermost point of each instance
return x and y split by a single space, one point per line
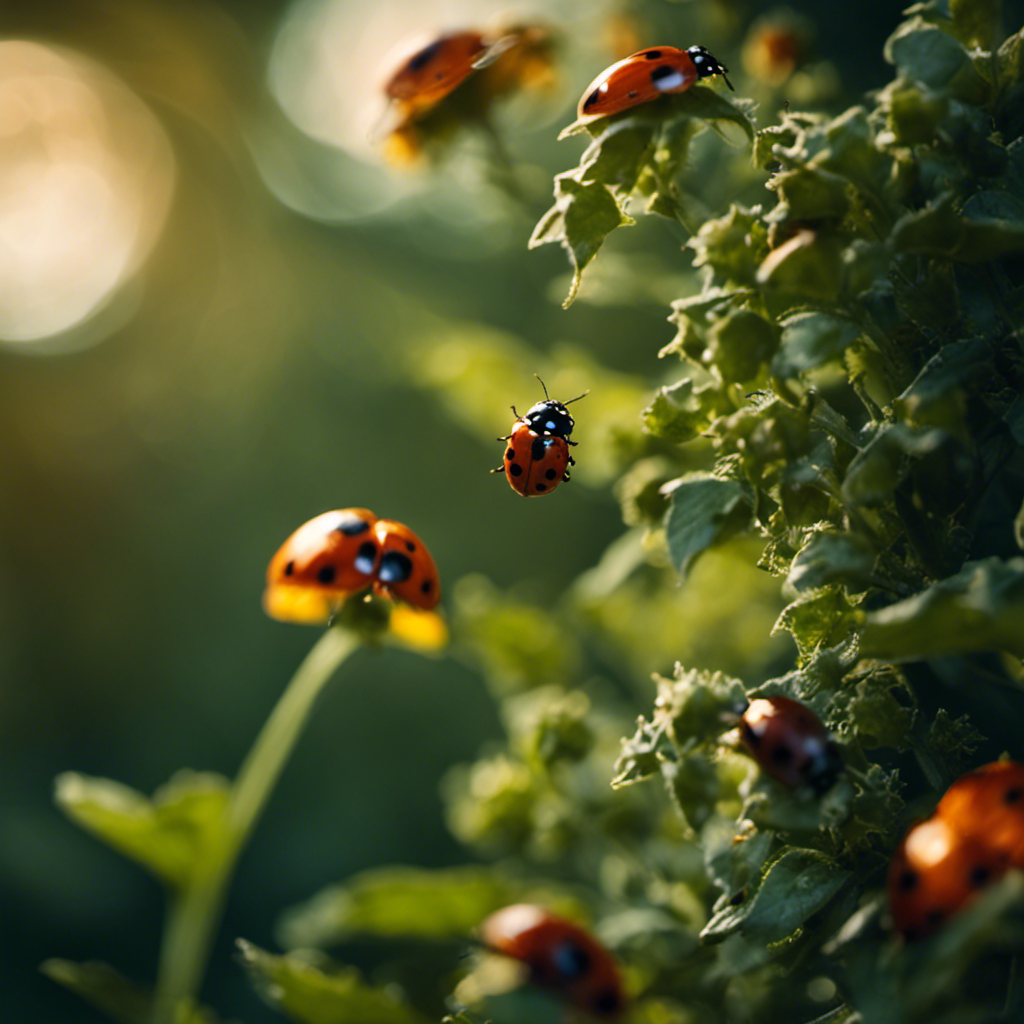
515 469
420 60
366 556
510 455
979 876
551 474
607 1001
592 98
659 74
541 487
326 574
537 448
652 55
570 960
633 94
409 546
1013 796
289 569
426 586
908 880
352 526
394 568
782 755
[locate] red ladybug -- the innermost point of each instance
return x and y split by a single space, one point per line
561 956
434 71
789 742
406 570
934 873
644 76
988 805
340 553
537 458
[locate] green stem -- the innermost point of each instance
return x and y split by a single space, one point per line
196 909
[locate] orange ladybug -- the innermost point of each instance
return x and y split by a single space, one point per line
644 76
788 741
561 956
537 458
934 873
340 553
988 804
406 570
435 70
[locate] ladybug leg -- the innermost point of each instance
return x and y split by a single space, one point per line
567 441
572 461
507 437
500 469
514 413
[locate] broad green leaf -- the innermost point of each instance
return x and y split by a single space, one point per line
808 266
583 216
883 708
980 608
845 558
400 902
927 54
938 230
914 113
976 22
307 994
705 511
812 194
796 885
169 834
733 245
120 999
619 154
810 340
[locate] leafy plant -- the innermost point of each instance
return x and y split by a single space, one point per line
845 411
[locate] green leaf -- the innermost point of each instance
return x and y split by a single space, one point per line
845 558
810 340
796 885
877 470
113 994
808 266
683 411
914 113
818 619
740 344
583 216
306 993
400 902
980 608
619 154
927 54
976 22
705 511
1018 528
733 246
938 230
169 834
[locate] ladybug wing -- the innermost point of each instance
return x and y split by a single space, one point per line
434 71
518 458
639 78
323 561
550 459
406 570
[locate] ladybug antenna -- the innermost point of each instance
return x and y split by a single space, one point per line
577 398
544 386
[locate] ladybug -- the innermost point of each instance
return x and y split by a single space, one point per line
988 804
934 873
340 553
406 570
537 457
644 76
435 70
789 742
560 955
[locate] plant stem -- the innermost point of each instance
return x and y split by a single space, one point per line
196 909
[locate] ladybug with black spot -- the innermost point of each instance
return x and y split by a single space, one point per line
340 553
988 804
644 76
935 872
537 455
560 955
789 742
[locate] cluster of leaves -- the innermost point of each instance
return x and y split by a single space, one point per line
849 412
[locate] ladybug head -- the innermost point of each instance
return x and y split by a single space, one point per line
550 417
707 64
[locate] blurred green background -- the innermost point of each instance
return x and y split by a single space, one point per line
221 319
